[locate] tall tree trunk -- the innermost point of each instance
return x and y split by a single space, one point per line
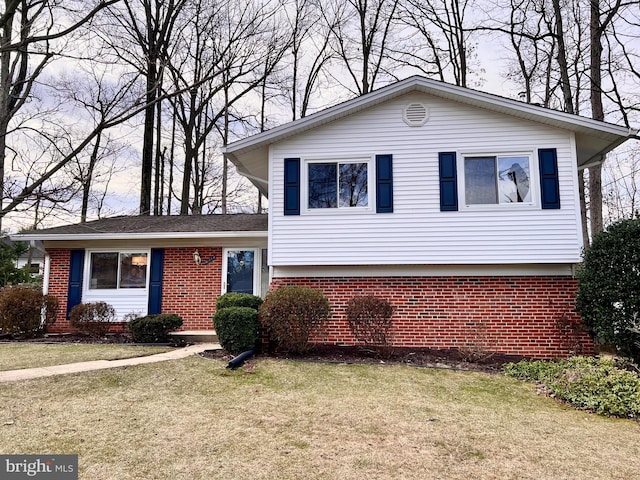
225 139
157 199
597 112
171 162
147 141
86 184
562 59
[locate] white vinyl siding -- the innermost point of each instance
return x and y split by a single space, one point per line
417 232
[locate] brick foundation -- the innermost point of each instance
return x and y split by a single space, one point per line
528 316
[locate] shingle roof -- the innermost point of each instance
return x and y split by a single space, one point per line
152 226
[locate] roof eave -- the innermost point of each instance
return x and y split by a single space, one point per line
445 90
138 236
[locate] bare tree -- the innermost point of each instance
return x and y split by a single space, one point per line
362 30
229 48
310 53
33 34
439 38
621 190
148 25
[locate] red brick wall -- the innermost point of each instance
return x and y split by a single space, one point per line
191 290
511 315
58 287
188 290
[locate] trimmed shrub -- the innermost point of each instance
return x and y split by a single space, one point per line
154 328
290 314
233 299
609 290
25 311
93 318
600 385
237 328
369 319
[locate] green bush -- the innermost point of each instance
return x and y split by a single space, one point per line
25 311
9 273
93 318
154 328
291 314
609 290
600 385
369 319
233 299
237 328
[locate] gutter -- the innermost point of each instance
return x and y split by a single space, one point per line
139 236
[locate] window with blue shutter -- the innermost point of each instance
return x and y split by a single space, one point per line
448 181
549 185
76 267
292 186
155 281
384 183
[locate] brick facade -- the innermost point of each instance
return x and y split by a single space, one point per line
58 287
188 290
191 290
528 316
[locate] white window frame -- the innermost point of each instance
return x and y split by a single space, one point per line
134 292
371 184
534 182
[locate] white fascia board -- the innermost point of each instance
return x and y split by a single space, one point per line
139 236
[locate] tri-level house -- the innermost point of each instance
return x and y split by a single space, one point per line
458 206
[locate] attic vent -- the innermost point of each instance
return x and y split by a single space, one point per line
416 114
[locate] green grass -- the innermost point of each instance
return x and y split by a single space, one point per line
15 356
193 419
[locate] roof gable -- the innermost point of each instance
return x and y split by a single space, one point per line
593 138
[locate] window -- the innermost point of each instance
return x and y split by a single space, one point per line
338 184
502 179
113 270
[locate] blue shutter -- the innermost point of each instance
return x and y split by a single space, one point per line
76 267
155 281
549 186
384 183
292 186
448 181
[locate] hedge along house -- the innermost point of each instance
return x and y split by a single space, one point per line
145 265
458 206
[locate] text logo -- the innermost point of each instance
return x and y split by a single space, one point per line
50 467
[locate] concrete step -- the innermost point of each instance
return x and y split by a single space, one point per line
196 336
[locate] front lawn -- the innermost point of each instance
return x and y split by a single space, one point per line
193 419
15 356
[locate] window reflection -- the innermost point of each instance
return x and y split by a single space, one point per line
112 270
334 185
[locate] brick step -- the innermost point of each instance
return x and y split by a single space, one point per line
196 336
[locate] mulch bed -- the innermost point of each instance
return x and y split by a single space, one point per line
417 357
111 338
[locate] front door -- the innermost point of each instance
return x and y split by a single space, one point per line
241 271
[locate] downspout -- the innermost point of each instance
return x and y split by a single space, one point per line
46 273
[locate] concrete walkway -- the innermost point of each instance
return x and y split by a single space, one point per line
28 373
